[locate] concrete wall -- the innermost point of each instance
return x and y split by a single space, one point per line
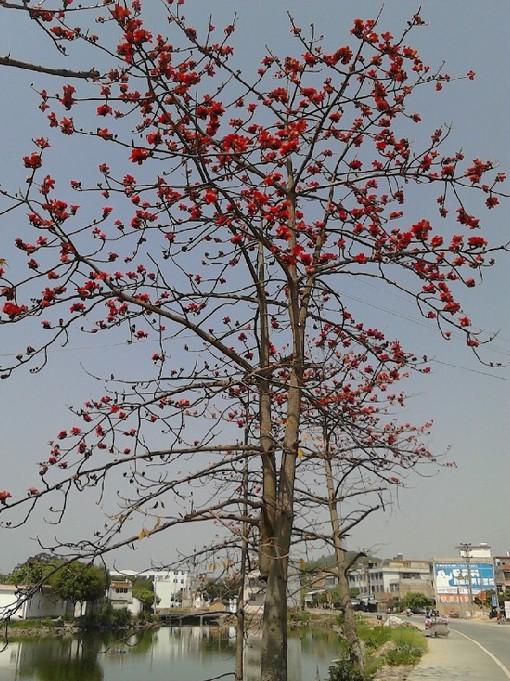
47 605
39 605
169 588
135 607
8 599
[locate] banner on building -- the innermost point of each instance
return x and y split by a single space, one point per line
453 578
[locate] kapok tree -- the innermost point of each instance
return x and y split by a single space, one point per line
227 212
355 451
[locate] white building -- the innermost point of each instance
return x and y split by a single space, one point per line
120 595
43 603
170 587
255 592
480 551
395 577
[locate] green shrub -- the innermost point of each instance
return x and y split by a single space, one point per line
374 637
120 618
300 617
345 670
107 618
404 654
32 624
408 636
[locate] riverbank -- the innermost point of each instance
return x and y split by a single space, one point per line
21 629
391 652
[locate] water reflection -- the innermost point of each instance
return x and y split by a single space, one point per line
166 654
52 660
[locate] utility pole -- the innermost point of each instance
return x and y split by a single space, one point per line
466 547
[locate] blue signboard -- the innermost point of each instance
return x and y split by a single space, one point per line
453 578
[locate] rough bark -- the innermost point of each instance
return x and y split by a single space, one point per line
274 625
240 615
274 629
267 519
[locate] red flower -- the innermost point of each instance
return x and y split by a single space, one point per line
477 242
4 495
33 161
141 36
12 310
67 126
138 155
210 196
67 98
120 13
104 110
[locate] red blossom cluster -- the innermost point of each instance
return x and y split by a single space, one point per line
251 204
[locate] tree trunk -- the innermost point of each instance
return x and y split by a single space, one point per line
240 616
349 621
267 516
274 626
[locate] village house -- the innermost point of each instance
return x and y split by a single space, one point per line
502 572
171 587
120 595
385 580
42 603
255 591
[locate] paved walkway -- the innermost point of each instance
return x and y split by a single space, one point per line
456 659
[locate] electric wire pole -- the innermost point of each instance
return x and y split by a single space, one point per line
466 547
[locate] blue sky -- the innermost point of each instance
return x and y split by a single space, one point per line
468 402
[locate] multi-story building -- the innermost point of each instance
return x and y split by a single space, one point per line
461 580
171 587
392 578
120 595
255 592
502 572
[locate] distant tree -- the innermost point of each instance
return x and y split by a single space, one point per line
143 590
416 600
78 582
32 571
223 589
505 596
74 582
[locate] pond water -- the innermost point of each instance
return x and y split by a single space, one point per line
167 654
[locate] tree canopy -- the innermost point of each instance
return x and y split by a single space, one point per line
74 582
223 213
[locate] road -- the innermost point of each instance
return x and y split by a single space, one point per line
474 651
494 638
